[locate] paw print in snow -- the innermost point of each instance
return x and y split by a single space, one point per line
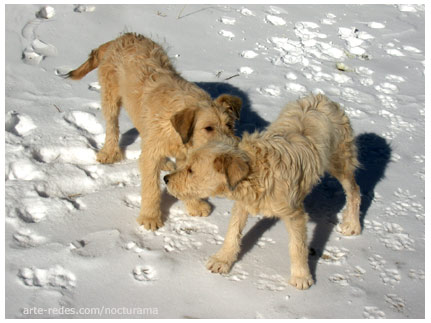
373 312
144 273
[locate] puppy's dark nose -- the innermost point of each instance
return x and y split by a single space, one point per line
166 179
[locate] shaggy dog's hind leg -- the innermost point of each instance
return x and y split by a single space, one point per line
351 225
343 165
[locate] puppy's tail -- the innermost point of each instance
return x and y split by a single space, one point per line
90 64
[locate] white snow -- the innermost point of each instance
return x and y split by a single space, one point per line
394 52
228 20
47 12
271 90
249 54
245 70
246 12
73 247
376 25
275 20
84 8
20 124
227 34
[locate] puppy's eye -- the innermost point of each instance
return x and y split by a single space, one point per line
189 170
229 126
209 128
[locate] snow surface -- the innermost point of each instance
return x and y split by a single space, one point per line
71 239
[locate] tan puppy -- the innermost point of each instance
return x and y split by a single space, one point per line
271 173
171 114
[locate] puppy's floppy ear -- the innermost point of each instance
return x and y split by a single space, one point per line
184 123
235 168
232 104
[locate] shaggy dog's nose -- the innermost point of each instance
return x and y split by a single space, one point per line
166 179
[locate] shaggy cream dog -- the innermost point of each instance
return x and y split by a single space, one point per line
271 173
171 114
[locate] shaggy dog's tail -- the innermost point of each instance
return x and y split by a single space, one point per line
90 64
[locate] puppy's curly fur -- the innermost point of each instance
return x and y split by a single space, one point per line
271 173
171 114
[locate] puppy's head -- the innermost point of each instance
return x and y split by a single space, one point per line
214 169
205 121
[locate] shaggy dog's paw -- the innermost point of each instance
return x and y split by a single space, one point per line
109 157
301 282
150 223
198 208
216 265
350 228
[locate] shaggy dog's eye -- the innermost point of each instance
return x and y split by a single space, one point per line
229 126
209 128
189 170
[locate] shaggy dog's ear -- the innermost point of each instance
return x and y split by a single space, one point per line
184 123
235 168
232 104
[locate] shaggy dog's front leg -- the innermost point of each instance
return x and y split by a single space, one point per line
296 224
222 261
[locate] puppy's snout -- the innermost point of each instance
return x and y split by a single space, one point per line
166 179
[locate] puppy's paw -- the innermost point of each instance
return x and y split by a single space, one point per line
350 228
168 166
301 282
198 208
217 265
150 223
105 156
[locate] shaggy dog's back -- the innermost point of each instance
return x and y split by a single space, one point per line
314 121
310 136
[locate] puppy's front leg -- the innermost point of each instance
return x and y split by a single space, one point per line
296 224
222 261
150 216
197 207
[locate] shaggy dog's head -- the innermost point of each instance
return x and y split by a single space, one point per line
207 121
211 170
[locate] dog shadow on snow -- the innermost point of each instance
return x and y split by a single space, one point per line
327 199
249 120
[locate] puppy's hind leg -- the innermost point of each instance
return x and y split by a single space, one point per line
222 261
111 104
